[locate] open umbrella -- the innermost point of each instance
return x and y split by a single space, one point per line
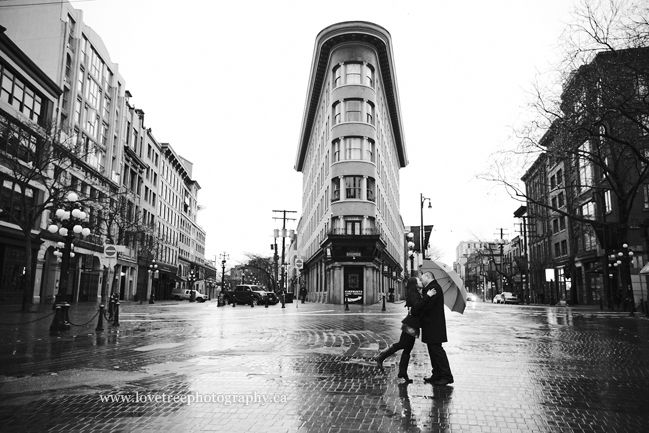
452 286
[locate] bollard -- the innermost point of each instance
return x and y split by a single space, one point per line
346 304
234 303
152 298
252 303
54 327
100 322
65 325
266 301
111 307
116 314
283 300
383 309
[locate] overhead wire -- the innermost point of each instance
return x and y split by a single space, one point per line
43 4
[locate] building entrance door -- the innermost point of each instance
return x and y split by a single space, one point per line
88 286
354 284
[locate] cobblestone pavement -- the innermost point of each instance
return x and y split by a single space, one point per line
516 368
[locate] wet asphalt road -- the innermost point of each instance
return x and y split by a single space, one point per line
308 368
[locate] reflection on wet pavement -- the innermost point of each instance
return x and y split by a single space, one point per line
517 368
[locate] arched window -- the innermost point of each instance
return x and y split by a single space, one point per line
371 188
353 73
353 148
353 110
338 75
336 151
335 189
337 113
353 187
369 150
369 112
369 75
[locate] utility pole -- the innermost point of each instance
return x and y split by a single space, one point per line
284 219
520 213
501 247
273 248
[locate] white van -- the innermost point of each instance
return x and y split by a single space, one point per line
183 294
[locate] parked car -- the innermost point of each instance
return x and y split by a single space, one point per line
471 297
249 294
510 298
498 299
185 294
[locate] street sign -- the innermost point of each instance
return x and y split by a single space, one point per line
299 263
110 251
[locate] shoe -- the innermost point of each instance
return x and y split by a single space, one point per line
405 377
379 361
382 355
430 379
442 382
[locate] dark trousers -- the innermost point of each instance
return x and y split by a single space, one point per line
439 361
406 343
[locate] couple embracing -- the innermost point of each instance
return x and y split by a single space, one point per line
425 302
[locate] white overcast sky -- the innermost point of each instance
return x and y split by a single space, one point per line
224 82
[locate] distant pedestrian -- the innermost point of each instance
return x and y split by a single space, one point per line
618 298
409 332
433 329
303 293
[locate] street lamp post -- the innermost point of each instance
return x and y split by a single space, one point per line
422 235
153 273
192 279
621 261
68 220
224 259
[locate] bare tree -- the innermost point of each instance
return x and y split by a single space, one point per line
35 162
594 119
434 253
121 221
264 267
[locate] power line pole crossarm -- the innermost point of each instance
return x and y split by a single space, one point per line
284 219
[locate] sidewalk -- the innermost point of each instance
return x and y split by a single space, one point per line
15 324
516 368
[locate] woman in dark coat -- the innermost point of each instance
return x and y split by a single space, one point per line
409 332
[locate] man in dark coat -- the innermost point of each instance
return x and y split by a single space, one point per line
433 329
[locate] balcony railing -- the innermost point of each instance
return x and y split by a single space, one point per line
362 232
